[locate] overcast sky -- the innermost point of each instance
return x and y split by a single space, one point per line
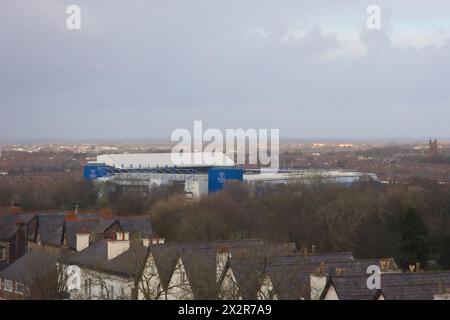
140 68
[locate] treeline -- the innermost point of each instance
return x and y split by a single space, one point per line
67 193
49 193
409 222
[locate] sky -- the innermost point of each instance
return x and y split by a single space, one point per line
143 68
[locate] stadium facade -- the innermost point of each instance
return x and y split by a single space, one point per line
201 173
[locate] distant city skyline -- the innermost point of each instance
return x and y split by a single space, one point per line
139 70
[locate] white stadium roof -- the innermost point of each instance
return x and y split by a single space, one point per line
163 160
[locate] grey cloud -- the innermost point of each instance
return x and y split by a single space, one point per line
143 68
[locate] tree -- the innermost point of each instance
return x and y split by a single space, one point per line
414 238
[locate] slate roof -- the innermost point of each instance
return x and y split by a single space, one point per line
414 285
200 267
129 263
165 258
93 256
137 226
328 257
249 264
91 226
290 275
200 275
394 286
353 288
9 226
413 291
26 268
50 229
392 279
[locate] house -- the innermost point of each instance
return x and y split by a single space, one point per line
415 285
195 270
118 269
57 231
15 231
32 276
137 226
394 286
243 276
101 271
49 232
353 287
304 277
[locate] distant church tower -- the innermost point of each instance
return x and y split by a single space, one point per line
433 147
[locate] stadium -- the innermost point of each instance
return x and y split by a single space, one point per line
205 175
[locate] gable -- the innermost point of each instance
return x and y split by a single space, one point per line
267 291
331 293
229 289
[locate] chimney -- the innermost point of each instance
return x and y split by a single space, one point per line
322 268
304 251
117 247
71 216
417 267
340 271
82 241
106 213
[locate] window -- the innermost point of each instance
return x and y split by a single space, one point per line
111 292
152 269
8 285
2 254
87 287
122 292
19 288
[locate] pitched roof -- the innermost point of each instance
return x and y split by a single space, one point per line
129 263
91 226
50 229
290 275
249 264
328 257
137 225
412 292
200 275
414 285
200 267
394 286
93 256
352 288
25 269
402 278
9 224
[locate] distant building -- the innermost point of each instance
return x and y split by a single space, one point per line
433 147
139 172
